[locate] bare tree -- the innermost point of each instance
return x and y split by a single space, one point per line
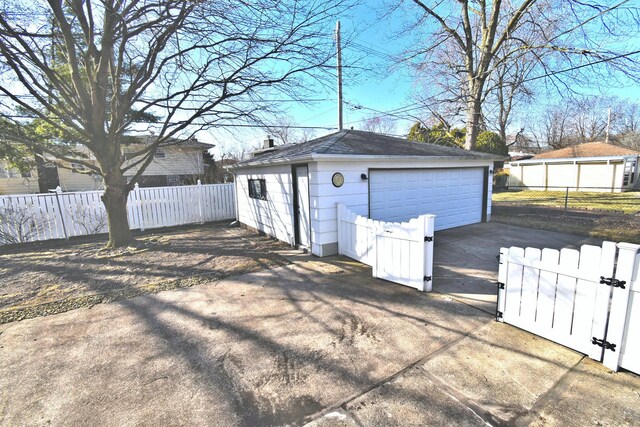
17 224
90 72
472 41
380 124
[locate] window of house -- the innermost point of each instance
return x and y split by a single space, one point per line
629 169
173 180
160 154
257 189
77 168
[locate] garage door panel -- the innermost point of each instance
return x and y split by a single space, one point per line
453 195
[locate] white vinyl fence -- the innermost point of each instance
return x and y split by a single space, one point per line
588 300
58 215
398 252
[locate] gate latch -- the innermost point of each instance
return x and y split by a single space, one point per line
428 238
610 281
603 343
500 285
427 278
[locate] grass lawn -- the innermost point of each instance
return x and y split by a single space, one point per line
628 203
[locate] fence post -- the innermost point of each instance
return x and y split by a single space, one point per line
566 199
627 261
64 226
138 205
338 220
200 209
429 232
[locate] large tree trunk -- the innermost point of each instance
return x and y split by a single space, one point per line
115 201
474 112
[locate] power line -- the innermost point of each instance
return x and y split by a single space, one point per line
4 95
222 125
577 67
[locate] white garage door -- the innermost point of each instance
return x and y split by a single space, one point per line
454 195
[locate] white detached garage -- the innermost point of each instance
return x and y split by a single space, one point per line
290 192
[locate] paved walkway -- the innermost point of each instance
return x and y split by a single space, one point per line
317 342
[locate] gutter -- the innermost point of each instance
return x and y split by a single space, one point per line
603 159
356 157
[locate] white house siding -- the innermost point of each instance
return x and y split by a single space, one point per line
594 176
273 216
355 194
177 161
534 175
74 181
18 185
12 182
561 175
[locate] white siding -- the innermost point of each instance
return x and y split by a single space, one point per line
561 175
11 182
592 176
273 216
177 161
74 181
355 192
533 176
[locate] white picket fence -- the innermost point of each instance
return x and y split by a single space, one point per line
588 300
398 252
58 215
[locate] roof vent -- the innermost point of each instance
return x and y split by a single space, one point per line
268 143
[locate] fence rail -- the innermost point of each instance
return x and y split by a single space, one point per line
57 215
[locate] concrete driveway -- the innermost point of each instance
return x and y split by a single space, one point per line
465 260
319 342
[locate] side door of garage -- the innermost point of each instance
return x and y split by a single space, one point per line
457 196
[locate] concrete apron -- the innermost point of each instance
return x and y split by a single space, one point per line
465 263
497 375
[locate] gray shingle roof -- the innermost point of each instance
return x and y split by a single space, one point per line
360 143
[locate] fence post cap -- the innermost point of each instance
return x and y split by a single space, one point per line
136 186
628 246
58 189
199 182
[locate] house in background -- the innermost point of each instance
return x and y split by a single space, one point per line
592 166
290 192
180 163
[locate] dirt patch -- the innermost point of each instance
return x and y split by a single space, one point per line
45 280
601 224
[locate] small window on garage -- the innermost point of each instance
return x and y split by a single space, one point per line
257 189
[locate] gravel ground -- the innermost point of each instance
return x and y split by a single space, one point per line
48 279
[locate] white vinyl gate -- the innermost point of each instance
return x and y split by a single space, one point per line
398 252
575 299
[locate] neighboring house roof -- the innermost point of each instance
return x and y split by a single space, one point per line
358 143
589 149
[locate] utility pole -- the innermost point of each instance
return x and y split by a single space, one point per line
339 51
606 135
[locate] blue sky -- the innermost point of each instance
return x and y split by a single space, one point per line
373 39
